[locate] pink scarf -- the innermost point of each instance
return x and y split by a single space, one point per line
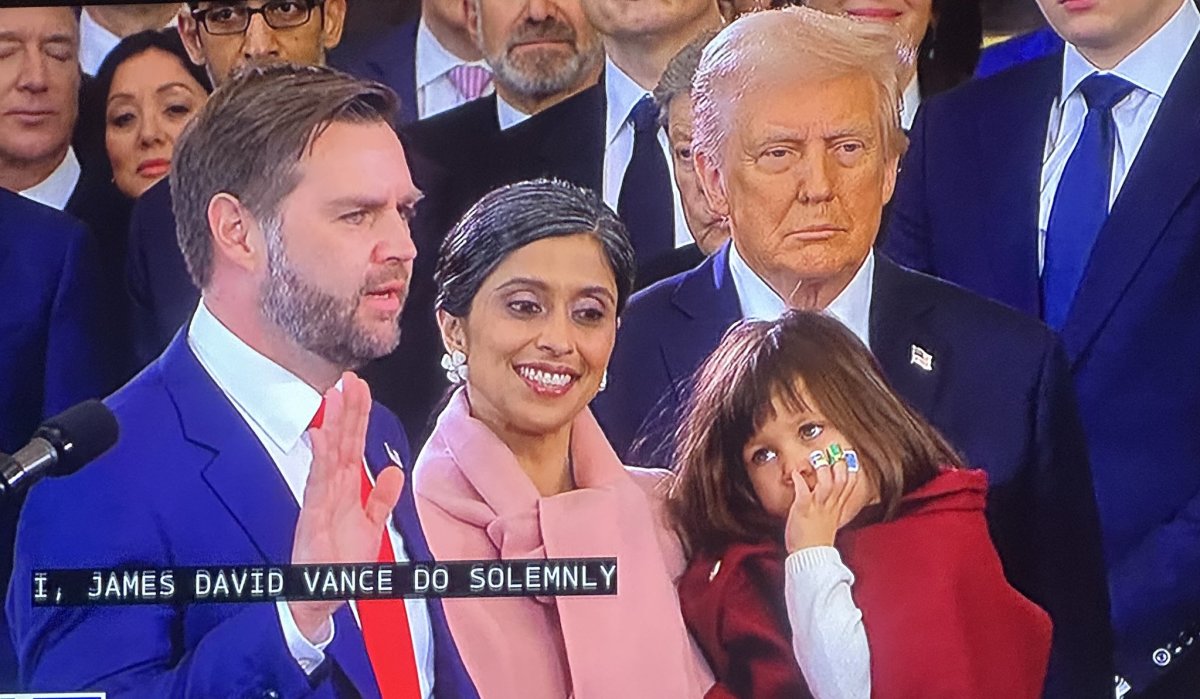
475 502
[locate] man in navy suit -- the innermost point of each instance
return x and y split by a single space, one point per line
1037 189
53 350
802 163
294 222
429 61
161 292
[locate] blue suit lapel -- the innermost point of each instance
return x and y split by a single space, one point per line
241 473
1010 224
708 302
1164 174
243 477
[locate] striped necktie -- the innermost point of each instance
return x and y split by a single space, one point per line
469 80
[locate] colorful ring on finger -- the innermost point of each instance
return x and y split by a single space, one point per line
836 453
818 459
851 461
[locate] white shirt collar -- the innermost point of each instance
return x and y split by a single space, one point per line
621 94
56 190
1152 66
277 400
507 115
434 60
758 300
910 103
95 42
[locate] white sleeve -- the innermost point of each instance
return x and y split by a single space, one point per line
828 637
309 656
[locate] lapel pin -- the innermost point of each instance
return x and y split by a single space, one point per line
393 455
921 358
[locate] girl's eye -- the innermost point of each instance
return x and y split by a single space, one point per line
762 456
811 430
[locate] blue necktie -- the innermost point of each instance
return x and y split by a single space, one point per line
645 203
1081 203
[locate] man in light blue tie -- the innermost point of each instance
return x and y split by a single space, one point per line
1069 188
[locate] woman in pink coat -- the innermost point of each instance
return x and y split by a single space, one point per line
530 284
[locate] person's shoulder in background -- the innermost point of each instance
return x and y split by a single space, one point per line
1016 50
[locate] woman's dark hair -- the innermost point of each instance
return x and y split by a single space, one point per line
950 50
513 216
94 105
712 502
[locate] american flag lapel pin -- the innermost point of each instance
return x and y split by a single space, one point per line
921 358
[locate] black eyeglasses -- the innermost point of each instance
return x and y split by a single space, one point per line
235 19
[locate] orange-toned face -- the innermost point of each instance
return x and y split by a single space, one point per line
804 178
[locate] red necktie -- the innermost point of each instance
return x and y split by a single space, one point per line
384 622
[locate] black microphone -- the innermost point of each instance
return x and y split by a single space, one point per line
61 446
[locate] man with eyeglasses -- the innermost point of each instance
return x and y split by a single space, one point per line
220 35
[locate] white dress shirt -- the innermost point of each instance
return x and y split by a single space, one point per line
435 92
278 407
56 190
507 115
95 42
621 95
852 307
910 103
1151 68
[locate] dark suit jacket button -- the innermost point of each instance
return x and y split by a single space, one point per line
270 694
1161 657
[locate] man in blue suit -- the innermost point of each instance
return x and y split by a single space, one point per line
802 162
1067 188
53 349
294 222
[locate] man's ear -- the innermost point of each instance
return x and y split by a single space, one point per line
236 235
471 11
334 16
454 337
891 171
189 32
711 183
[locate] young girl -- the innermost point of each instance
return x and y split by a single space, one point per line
792 439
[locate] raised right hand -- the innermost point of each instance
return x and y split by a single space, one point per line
334 525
